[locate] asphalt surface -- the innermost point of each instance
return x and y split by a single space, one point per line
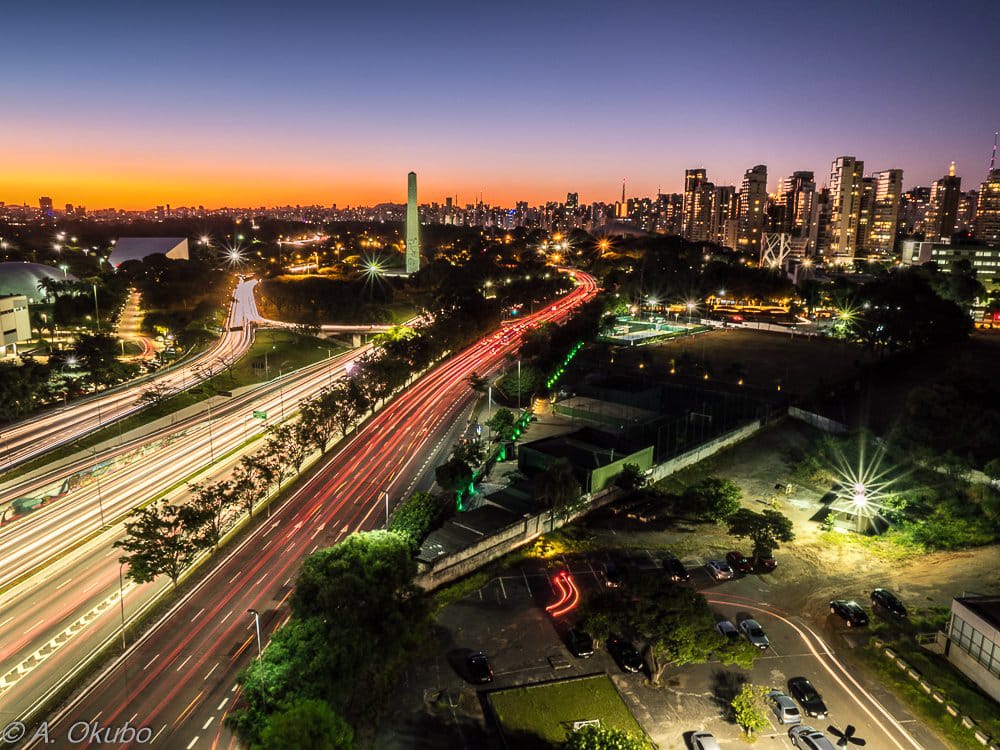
179 678
507 620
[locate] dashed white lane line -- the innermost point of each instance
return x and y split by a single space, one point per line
158 733
222 703
210 720
228 615
212 670
191 743
151 662
64 583
183 663
33 626
200 611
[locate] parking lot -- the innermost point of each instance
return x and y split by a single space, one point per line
506 618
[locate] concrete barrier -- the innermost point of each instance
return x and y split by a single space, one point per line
981 737
890 654
818 420
913 674
968 722
952 710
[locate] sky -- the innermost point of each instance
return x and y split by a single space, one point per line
244 104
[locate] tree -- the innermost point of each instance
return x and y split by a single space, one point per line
159 541
319 420
477 382
250 482
348 403
502 423
557 487
603 738
208 511
418 515
155 394
454 475
631 478
470 451
748 710
715 498
306 725
764 529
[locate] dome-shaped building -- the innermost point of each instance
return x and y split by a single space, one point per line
22 278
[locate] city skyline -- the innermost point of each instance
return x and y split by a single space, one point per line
260 109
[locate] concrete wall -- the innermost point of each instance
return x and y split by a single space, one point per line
463 562
817 420
700 453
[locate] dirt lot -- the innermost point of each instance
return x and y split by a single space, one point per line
800 363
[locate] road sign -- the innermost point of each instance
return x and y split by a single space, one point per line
260 415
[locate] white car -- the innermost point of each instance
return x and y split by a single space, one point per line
719 570
808 738
704 741
754 633
784 708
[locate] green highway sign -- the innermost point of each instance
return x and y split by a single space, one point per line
260 415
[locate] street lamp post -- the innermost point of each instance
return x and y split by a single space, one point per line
519 385
386 494
97 312
260 652
121 599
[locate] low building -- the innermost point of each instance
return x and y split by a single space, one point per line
32 280
983 259
597 457
140 248
15 326
973 644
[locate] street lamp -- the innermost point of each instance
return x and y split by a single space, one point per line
260 652
690 309
386 494
121 599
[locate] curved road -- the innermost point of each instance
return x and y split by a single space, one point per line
179 677
42 432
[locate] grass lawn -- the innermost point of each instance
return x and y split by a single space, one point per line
284 350
939 673
535 715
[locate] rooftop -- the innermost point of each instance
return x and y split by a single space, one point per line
987 607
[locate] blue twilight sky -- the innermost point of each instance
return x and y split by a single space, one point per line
129 104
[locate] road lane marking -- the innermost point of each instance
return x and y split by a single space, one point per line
33 626
210 720
133 717
6 621
228 615
191 743
221 704
151 662
198 615
233 579
212 670
184 662
68 580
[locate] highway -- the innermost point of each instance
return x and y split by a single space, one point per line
58 564
33 436
179 677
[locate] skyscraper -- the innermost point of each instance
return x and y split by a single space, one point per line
752 205
885 213
797 194
845 205
45 206
412 225
942 209
724 207
697 207
988 209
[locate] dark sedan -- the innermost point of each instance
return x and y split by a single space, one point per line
888 601
739 562
480 669
808 697
675 569
579 643
850 612
624 654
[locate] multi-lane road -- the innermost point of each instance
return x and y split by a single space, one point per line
24 440
178 679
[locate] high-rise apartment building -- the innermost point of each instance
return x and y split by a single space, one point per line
697 207
845 205
752 208
724 211
988 209
796 194
45 206
942 208
966 219
913 210
866 211
885 212
669 213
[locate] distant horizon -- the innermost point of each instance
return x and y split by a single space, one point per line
821 178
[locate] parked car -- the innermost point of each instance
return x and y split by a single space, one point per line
808 738
675 569
624 654
726 628
719 570
885 599
739 562
765 563
784 708
480 669
808 697
579 643
850 612
613 575
704 741
754 633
